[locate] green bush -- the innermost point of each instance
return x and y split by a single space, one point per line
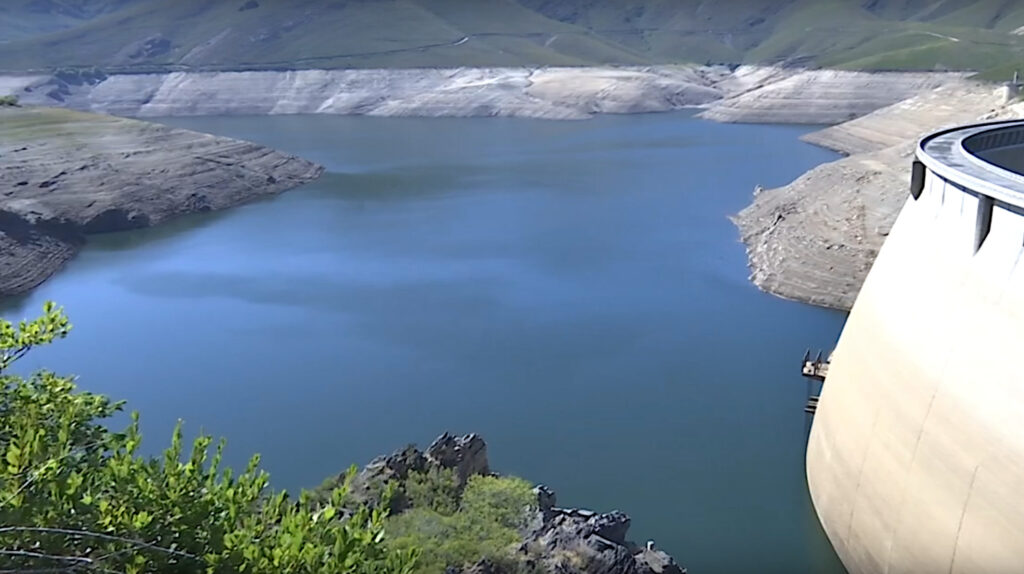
491 511
435 489
8 100
76 497
500 500
454 540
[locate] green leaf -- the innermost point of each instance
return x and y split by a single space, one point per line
141 520
13 456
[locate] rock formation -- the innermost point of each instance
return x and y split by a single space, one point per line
557 540
465 456
572 540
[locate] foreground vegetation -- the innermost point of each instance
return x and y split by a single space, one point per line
76 496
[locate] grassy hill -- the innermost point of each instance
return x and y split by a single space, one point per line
314 33
258 34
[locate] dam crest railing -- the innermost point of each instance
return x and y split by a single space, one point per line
962 157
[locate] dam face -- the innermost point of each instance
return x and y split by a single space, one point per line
915 461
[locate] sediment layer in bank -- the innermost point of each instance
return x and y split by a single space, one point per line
765 94
786 96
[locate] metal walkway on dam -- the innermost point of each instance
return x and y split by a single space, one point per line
915 462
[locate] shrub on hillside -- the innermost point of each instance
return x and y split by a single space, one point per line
486 525
435 489
503 500
10 101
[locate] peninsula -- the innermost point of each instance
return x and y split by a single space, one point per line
65 175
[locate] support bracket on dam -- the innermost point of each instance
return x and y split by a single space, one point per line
815 369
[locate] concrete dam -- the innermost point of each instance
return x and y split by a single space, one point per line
915 462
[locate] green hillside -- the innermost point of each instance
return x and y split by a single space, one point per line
21 19
279 34
313 33
866 34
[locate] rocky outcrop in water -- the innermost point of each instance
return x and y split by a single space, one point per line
573 540
465 456
66 174
557 540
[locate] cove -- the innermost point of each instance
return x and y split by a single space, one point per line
572 291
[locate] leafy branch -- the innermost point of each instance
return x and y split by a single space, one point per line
76 496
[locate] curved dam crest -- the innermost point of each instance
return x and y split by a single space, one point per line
916 460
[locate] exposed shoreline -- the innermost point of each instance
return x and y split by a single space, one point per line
812 240
753 94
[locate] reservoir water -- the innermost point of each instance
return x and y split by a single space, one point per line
572 291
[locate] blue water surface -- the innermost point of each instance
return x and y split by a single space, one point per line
573 291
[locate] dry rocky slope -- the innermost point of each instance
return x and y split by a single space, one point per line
773 95
815 239
66 174
743 94
549 93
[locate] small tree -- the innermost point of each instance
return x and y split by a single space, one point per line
76 497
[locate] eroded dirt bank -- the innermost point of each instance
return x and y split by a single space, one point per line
66 174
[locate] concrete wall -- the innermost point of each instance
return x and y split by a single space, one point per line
916 456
